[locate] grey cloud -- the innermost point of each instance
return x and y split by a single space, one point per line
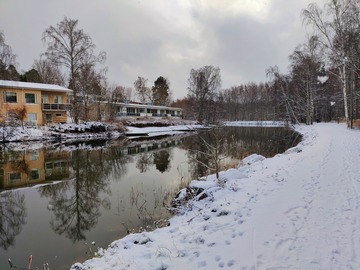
164 38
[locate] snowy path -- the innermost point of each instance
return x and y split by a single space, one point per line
298 210
318 211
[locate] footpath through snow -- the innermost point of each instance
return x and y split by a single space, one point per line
297 210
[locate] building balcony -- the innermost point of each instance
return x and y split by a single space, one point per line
55 107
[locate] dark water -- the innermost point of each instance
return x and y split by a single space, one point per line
91 195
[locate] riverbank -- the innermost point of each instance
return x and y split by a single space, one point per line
297 210
87 131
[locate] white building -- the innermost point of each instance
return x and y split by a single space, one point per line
127 109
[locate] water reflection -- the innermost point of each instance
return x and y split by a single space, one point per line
101 192
12 217
162 160
235 143
76 204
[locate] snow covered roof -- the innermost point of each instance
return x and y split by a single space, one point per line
38 86
150 106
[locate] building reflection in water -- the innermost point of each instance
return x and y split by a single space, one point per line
27 168
31 167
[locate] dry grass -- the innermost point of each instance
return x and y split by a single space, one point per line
229 165
357 123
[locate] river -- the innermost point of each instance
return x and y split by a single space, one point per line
60 203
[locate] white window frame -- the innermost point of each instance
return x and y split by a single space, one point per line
35 98
10 92
14 180
58 99
31 119
45 99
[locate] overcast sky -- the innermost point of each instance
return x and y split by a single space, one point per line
152 38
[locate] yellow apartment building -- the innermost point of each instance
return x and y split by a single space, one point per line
44 103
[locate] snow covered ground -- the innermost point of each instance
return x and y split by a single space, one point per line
297 210
160 131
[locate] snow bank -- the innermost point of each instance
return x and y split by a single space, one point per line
82 131
256 123
159 131
297 210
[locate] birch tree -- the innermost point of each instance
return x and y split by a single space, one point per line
305 66
331 24
71 48
7 61
204 83
143 92
48 71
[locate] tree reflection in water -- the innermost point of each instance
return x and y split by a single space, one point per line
76 204
141 199
143 161
161 159
238 143
12 217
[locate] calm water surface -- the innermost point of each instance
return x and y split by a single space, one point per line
91 195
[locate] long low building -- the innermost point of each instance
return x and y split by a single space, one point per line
146 110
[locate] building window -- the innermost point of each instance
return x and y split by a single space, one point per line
45 99
30 98
34 155
10 97
14 177
59 115
34 174
58 99
32 117
48 117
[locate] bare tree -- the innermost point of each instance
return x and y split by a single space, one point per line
7 61
19 114
71 48
142 91
204 83
305 67
281 82
332 31
7 57
49 72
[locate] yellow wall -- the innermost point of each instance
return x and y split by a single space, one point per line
32 108
27 164
22 164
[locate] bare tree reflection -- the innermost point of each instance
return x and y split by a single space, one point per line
76 204
143 161
239 143
12 217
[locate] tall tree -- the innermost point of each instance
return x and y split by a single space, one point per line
49 72
332 31
160 91
7 61
142 91
305 67
204 83
281 82
71 48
